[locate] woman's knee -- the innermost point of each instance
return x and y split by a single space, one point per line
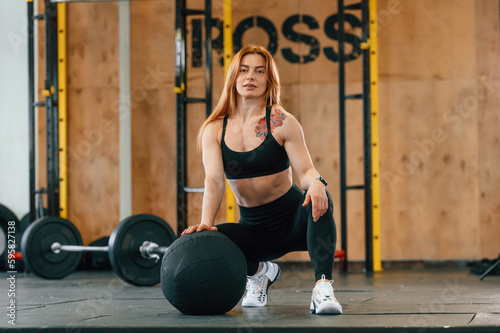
230 230
330 202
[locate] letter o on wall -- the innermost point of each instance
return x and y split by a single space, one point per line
260 22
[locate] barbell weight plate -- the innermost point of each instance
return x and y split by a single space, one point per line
3 242
6 215
124 244
24 222
37 254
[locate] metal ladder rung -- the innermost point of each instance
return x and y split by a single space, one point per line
193 189
194 100
356 96
353 6
355 187
193 12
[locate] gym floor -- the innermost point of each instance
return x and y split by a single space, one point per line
395 300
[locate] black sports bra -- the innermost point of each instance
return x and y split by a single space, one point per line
267 159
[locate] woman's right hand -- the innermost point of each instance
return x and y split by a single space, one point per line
198 228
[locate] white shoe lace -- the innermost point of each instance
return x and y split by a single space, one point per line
325 289
256 288
323 299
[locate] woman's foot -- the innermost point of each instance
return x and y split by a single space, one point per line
323 300
258 284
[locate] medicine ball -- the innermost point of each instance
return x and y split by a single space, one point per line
203 273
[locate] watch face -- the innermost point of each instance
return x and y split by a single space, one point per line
321 179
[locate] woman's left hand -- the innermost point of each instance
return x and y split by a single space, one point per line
316 195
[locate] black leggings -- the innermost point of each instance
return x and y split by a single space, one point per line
274 229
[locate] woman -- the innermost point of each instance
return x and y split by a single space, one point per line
255 142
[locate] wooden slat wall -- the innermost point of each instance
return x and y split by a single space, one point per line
429 138
93 111
153 109
439 151
488 113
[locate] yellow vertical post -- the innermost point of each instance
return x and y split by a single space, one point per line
62 105
372 9
228 56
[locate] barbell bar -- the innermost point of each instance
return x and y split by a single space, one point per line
148 250
57 247
52 248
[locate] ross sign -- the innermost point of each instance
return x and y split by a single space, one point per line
288 31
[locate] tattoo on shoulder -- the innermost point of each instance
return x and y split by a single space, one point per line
277 119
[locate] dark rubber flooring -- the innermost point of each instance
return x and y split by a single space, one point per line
423 300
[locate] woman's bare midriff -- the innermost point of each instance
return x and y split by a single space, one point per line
257 191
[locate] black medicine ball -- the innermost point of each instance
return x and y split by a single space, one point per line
203 273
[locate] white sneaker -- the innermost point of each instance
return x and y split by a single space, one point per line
323 300
257 286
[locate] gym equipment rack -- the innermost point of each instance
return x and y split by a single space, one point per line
182 100
51 103
369 97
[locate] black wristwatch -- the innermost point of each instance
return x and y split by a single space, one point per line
321 179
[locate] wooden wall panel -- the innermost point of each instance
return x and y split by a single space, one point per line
431 205
428 171
92 45
153 109
426 40
487 97
93 113
93 162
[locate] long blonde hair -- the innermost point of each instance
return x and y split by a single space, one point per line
228 98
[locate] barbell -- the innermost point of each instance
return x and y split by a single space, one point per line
52 248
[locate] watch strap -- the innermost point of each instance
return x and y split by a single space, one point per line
321 179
